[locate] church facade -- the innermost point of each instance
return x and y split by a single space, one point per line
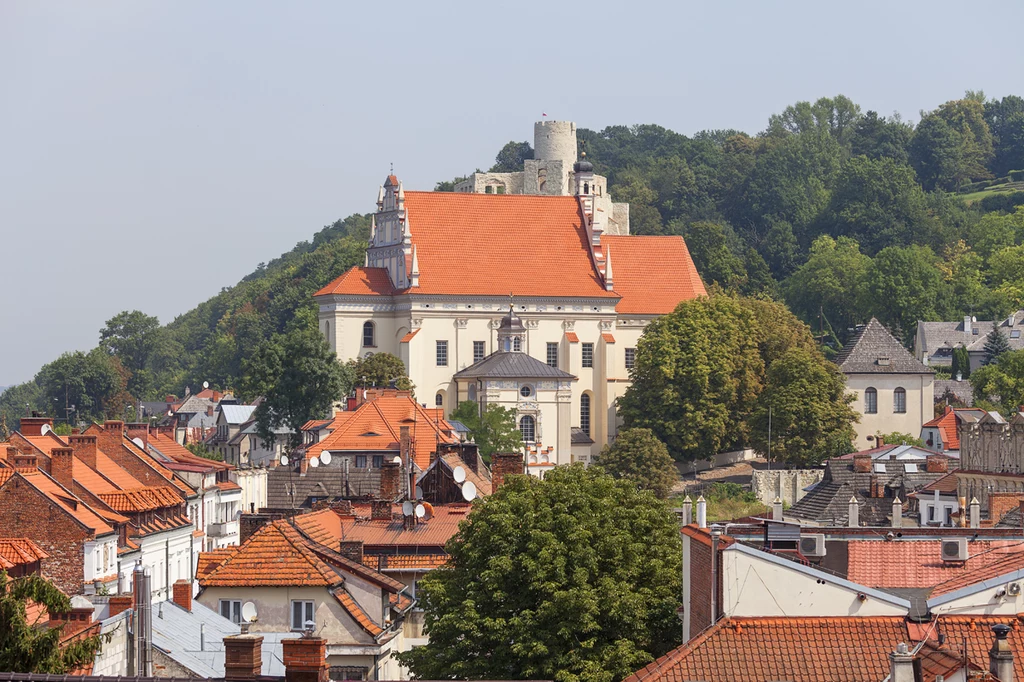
443 268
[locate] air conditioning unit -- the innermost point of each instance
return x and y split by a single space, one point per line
1013 589
954 550
812 545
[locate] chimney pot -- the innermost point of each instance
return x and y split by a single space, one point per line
243 657
936 464
305 659
862 464
182 594
702 512
1000 656
390 479
504 464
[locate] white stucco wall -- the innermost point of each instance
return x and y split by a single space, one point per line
920 404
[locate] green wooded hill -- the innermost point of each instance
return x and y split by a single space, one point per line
843 214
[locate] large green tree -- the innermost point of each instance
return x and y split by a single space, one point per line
137 340
904 285
811 418
380 370
696 377
996 344
299 377
1001 383
493 429
825 290
27 648
638 456
511 157
83 387
573 578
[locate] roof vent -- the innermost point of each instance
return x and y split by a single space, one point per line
954 549
884 362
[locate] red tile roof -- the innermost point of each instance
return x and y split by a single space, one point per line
978 632
571 337
19 551
212 559
147 498
360 281
67 502
919 564
651 274
274 556
358 615
376 425
947 427
328 528
409 336
608 338
944 484
840 649
404 562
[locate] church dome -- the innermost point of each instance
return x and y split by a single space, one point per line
583 166
511 322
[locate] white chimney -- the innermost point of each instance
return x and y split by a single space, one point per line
687 511
853 513
777 509
897 513
967 324
901 664
702 512
975 513
1000 656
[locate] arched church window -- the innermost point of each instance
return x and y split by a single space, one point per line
586 188
439 400
585 413
369 340
528 429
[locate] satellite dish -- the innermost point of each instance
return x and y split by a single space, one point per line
407 508
459 474
45 430
170 413
325 458
138 441
468 491
249 612
419 493
284 460
420 511
314 462
206 384
397 460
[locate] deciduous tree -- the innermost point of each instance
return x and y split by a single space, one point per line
380 370
638 456
573 578
493 430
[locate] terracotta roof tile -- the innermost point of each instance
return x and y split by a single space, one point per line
404 562
840 649
360 281
228 486
948 428
385 533
18 551
212 559
919 564
652 274
67 502
409 337
571 337
977 630
357 613
276 555
376 425
608 338
146 498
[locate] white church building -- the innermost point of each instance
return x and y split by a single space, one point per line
443 268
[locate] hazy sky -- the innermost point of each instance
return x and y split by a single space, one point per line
154 152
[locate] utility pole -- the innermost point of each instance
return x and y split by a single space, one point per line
769 437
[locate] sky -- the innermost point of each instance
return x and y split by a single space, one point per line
152 153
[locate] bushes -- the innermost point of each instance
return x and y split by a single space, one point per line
1016 175
1002 202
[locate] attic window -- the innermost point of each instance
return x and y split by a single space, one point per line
1015 334
370 433
974 331
884 362
910 468
879 467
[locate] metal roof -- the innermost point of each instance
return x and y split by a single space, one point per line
237 414
511 365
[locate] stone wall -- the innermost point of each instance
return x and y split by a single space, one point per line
721 459
788 484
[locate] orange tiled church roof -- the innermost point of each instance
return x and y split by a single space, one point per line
360 281
652 274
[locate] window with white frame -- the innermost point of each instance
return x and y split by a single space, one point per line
231 609
528 429
302 611
588 354
479 349
442 353
552 354
630 357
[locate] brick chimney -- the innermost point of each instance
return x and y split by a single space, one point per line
504 464
72 622
84 446
120 603
1000 656
352 549
26 460
61 463
138 430
862 464
305 659
390 479
243 657
12 452
110 438
182 595
343 508
380 510
936 464
405 443
33 426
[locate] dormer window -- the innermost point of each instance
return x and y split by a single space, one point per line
884 362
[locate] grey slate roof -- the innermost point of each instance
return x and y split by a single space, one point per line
829 501
948 335
873 350
287 489
578 436
961 390
511 365
176 632
195 404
